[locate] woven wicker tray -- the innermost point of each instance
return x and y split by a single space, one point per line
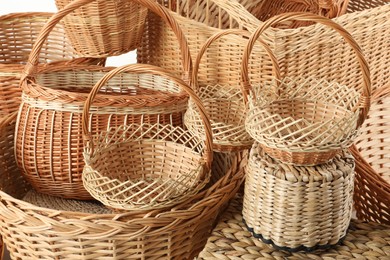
231 240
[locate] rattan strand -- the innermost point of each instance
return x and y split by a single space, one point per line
372 153
49 131
298 207
104 28
231 240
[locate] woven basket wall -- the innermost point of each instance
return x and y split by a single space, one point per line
303 51
298 207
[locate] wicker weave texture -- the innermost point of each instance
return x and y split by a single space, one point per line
104 28
303 51
372 153
298 207
230 241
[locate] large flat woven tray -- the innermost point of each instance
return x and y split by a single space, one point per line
231 240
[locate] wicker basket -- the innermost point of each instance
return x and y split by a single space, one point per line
102 28
62 232
372 154
143 166
303 120
18 32
298 207
303 51
49 134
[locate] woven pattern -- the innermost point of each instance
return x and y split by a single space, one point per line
291 118
231 240
372 153
297 207
104 28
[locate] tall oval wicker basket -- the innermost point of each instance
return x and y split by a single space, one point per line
305 121
49 142
372 154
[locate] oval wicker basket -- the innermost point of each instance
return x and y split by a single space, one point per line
38 231
298 207
101 28
143 166
302 120
372 154
49 142
18 32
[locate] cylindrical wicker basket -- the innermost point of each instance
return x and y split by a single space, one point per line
144 166
305 51
55 228
49 142
101 28
372 154
18 32
304 120
298 207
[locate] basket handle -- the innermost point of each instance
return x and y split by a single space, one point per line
31 66
364 102
219 35
150 69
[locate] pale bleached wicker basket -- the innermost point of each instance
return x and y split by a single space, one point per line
100 28
144 166
298 207
304 120
49 142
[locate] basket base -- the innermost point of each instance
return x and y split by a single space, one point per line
295 249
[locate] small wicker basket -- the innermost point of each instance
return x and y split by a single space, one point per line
372 154
143 166
305 121
100 28
298 207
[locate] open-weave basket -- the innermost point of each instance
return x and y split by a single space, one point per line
49 142
326 8
18 32
38 231
303 120
305 51
372 154
144 166
103 28
298 207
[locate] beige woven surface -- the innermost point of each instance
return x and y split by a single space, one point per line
372 153
144 166
231 240
303 51
49 132
298 207
34 232
104 28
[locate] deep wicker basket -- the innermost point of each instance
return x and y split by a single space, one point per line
49 142
303 120
100 28
144 166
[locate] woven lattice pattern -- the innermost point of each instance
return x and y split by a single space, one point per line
104 28
298 207
145 166
230 240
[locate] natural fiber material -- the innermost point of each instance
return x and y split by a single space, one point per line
35 232
143 166
314 51
49 142
18 32
104 28
297 207
300 120
231 240
372 153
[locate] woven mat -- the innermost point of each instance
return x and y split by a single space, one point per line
231 240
